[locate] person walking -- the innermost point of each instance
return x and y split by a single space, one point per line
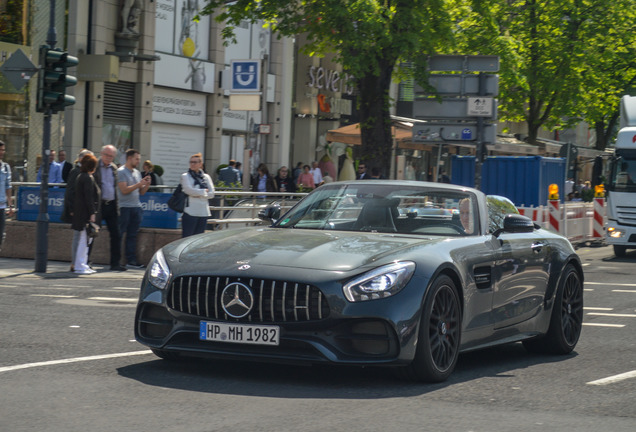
85 210
6 198
262 181
284 181
65 166
199 188
106 178
69 204
230 175
55 170
130 186
306 179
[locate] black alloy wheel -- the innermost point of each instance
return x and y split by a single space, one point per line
440 334
566 320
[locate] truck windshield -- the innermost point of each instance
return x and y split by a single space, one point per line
624 174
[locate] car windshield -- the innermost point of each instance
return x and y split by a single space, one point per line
390 208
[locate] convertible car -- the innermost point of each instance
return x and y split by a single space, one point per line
395 273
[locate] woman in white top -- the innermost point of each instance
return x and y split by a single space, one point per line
199 188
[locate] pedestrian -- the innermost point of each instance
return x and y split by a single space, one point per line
130 186
230 175
315 171
306 179
238 167
69 204
6 197
297 172
106 178
284 183
199 188
65 165
262 180
149 171
55 170
85 210
362 172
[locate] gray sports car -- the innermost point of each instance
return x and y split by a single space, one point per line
395 273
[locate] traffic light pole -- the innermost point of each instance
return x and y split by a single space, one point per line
42 242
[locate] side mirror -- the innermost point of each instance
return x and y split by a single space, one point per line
270 213
514 223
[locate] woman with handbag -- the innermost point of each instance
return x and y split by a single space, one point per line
198 186
85 209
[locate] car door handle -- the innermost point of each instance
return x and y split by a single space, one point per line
536 247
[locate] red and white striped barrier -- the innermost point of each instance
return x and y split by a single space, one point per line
599 213
554 207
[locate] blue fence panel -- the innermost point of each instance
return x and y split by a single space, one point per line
156 213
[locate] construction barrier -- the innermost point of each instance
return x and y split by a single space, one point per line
578 221
598 230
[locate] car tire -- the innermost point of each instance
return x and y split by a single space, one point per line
166 355
566 320
439 334
620 251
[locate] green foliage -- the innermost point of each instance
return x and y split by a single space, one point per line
368 37
561 60
158 169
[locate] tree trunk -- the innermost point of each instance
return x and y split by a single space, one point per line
375 126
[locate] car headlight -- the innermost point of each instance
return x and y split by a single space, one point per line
158 271
379 283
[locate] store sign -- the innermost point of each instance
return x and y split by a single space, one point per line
330 80
169 106
156 213
184 73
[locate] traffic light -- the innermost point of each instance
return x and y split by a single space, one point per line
53 79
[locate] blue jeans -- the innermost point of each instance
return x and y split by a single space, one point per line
129 223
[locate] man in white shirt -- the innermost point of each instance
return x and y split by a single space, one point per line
315 171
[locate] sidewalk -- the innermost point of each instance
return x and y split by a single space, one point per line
14 267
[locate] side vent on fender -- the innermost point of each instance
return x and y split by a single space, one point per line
483 277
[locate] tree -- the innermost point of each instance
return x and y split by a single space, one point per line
557 56
369 38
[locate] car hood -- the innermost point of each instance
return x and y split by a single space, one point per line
310 249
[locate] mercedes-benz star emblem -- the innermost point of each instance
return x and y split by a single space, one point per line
237 300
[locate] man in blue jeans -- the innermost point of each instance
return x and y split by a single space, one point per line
130 186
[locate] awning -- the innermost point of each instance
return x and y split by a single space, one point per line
351 134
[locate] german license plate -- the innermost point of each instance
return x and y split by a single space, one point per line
239 333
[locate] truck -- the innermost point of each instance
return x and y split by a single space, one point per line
621 183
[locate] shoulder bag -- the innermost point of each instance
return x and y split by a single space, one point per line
178 200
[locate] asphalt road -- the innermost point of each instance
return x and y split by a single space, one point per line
68 362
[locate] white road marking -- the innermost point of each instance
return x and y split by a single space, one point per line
113 299
604 325
598 308
72 360
588 289
614 379
586 264
53 295
612 315
613 284
625 291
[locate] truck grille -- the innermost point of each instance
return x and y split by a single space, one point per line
626 215
274 301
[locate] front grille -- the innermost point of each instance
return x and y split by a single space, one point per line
274 301
626 215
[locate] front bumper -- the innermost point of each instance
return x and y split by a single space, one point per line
380 332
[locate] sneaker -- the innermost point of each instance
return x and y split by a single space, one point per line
134 265
84 272
118 268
